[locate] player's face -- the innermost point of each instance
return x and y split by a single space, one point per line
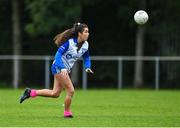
84 35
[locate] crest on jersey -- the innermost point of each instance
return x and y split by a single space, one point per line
68 56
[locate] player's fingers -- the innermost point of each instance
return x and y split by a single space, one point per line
90 71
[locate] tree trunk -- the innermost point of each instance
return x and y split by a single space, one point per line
16 42
138 74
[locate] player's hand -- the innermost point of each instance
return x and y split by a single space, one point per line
88 70
64 72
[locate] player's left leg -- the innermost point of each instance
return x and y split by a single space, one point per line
69 94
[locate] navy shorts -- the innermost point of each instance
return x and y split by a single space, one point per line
55 69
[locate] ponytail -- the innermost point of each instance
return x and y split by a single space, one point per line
63 37
59 39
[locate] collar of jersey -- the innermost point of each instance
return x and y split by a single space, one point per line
75 40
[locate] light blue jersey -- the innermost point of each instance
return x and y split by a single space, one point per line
67 54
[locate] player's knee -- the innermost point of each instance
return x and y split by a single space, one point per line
55 94
71 92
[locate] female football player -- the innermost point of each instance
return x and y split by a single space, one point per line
72 44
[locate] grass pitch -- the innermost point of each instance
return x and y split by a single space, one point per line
93 108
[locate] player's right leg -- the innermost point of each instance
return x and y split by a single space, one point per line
43 92
25 95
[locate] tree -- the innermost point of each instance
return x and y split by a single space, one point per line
52 15
16 42
138 74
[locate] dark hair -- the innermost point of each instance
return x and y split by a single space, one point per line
59 39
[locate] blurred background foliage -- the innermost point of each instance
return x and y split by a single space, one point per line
112 32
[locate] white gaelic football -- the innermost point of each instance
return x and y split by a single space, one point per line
141 17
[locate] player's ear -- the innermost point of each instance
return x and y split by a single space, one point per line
79 33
